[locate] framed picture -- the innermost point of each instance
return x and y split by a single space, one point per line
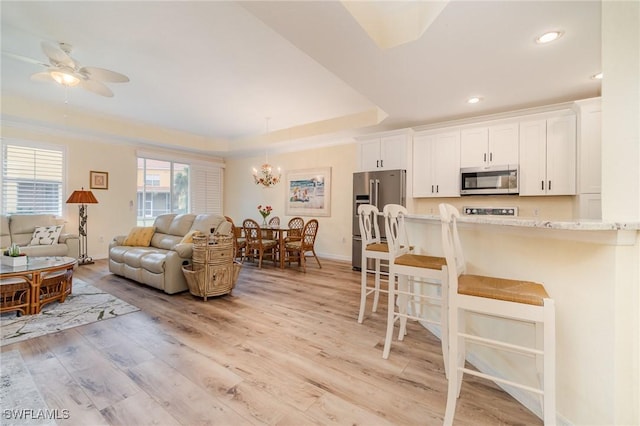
98 180
309 192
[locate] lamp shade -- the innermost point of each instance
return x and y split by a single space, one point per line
82 197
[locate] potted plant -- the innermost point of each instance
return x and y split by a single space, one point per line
13 257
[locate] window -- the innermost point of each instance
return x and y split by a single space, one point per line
32 178
163 187
177 184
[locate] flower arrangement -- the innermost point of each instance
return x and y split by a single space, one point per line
264 212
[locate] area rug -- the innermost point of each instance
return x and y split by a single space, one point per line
21 401
86 304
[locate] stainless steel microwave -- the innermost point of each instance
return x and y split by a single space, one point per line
489 180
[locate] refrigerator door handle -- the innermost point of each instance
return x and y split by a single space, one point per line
371 199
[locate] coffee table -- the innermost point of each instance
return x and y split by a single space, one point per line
42 280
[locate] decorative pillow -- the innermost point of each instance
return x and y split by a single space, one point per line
189 237
45 235
140 236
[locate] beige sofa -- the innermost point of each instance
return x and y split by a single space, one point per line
19 229
160 264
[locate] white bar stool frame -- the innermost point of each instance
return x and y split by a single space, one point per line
372 248
497 297
407 267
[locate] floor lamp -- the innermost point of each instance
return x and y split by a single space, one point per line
83 198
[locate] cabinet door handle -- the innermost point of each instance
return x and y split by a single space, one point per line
549 185
491 157
377 163
542 185
485 157
437 188
432 189
381 163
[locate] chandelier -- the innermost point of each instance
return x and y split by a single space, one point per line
266 175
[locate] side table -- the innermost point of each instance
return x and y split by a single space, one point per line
213 271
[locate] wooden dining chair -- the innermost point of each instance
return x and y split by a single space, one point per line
239 241
523 302
306 244
294 233
257 246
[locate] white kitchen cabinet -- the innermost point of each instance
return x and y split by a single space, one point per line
436 164
487 146
387 152
548 156
589 146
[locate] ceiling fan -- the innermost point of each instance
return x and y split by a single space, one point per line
65 70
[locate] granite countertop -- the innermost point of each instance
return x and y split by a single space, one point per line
578 225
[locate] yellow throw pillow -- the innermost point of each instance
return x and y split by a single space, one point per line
140 236
189 237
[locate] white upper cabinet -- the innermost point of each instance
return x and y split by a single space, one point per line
436 164
384 152
589 146
486 146
548 156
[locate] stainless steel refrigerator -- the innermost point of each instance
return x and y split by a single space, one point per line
378 188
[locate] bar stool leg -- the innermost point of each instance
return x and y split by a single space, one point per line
363 290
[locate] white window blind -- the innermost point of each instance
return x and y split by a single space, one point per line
32 178
206 189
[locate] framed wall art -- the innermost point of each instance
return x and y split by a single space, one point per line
309 192
98 180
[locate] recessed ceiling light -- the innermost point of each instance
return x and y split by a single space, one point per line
597 76
549 37
474 100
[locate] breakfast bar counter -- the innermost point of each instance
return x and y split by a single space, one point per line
591 270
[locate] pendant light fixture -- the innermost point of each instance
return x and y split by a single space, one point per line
266 176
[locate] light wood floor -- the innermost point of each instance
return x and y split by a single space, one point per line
284 349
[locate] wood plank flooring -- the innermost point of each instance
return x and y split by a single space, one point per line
284 349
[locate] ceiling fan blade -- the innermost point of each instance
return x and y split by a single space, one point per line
25 59
104 75
96 87
42 76
57 55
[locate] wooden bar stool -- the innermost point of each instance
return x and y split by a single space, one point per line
417 274
522 301
372 248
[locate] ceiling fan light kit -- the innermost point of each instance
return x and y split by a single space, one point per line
64 78
67 72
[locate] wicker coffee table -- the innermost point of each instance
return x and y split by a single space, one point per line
42 280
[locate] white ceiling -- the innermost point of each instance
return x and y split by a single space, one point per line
217 69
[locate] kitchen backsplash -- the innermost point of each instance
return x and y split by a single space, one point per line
544 208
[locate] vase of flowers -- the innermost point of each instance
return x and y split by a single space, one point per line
264 212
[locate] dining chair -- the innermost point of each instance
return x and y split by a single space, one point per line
294 233
256 244
421 288
239 241
521 301
372 248
306 244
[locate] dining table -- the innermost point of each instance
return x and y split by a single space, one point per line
280 233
